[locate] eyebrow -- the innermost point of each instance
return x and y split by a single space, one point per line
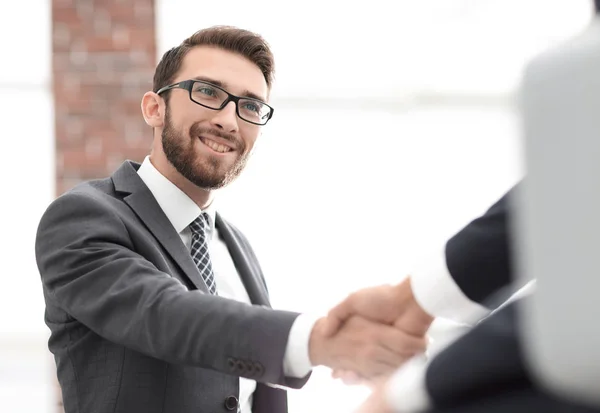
246 93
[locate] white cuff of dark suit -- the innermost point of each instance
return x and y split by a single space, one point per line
438 294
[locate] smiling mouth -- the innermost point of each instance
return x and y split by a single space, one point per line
215 146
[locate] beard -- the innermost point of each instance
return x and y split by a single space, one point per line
206 172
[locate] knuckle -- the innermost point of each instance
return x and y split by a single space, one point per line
416 343
401 345
352 296
357 323
384 333
370 352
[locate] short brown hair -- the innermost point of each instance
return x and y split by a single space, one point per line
243 42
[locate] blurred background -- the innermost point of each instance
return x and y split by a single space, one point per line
395 124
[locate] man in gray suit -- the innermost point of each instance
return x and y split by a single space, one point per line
154 301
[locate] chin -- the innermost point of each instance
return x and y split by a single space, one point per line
209 182
211 174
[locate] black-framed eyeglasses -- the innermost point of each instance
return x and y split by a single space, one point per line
216 98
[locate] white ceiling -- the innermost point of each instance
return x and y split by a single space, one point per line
391 49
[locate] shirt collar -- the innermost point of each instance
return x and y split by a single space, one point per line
177 206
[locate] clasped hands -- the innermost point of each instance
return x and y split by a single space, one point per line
370 334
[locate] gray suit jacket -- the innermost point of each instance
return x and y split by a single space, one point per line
132 326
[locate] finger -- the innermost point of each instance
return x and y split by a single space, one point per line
351 378
331 325
387 361
414 320
340 373
376 360
375 403
401 342
377 381
337 316
377 352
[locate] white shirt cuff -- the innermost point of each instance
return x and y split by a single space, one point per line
438 294
296 362
406 391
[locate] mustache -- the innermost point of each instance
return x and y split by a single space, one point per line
197 130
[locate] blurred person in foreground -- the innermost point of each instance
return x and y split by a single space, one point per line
483 370
155 302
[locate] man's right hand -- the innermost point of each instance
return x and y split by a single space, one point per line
369 349
387 304
393 305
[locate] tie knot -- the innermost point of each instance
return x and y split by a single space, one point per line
200 224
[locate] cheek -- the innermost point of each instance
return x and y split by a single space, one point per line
182 126
184 117
250 137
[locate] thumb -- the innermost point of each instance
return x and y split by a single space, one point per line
336 317
349 378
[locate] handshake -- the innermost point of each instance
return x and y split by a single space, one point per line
370 334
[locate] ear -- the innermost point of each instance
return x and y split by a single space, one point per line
153 109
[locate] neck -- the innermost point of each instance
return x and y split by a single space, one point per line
201 197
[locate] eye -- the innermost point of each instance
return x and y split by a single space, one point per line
252 107
206 91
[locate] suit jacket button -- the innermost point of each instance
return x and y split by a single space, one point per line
231 364
231 403
241 366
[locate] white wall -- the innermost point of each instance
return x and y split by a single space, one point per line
392 129
27 168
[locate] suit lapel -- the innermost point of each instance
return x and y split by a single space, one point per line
142 202
245 263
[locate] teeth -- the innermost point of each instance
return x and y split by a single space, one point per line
217 147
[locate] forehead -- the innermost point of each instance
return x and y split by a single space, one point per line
236 73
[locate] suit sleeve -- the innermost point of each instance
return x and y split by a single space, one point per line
296 361
90 269
475 264
479 257
487 357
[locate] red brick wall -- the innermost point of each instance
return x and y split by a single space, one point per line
103 60
104 55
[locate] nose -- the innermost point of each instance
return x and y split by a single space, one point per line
226 119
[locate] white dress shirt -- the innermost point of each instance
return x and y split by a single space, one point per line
181 211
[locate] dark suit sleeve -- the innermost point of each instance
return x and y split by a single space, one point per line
89 268
479 257
487 360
